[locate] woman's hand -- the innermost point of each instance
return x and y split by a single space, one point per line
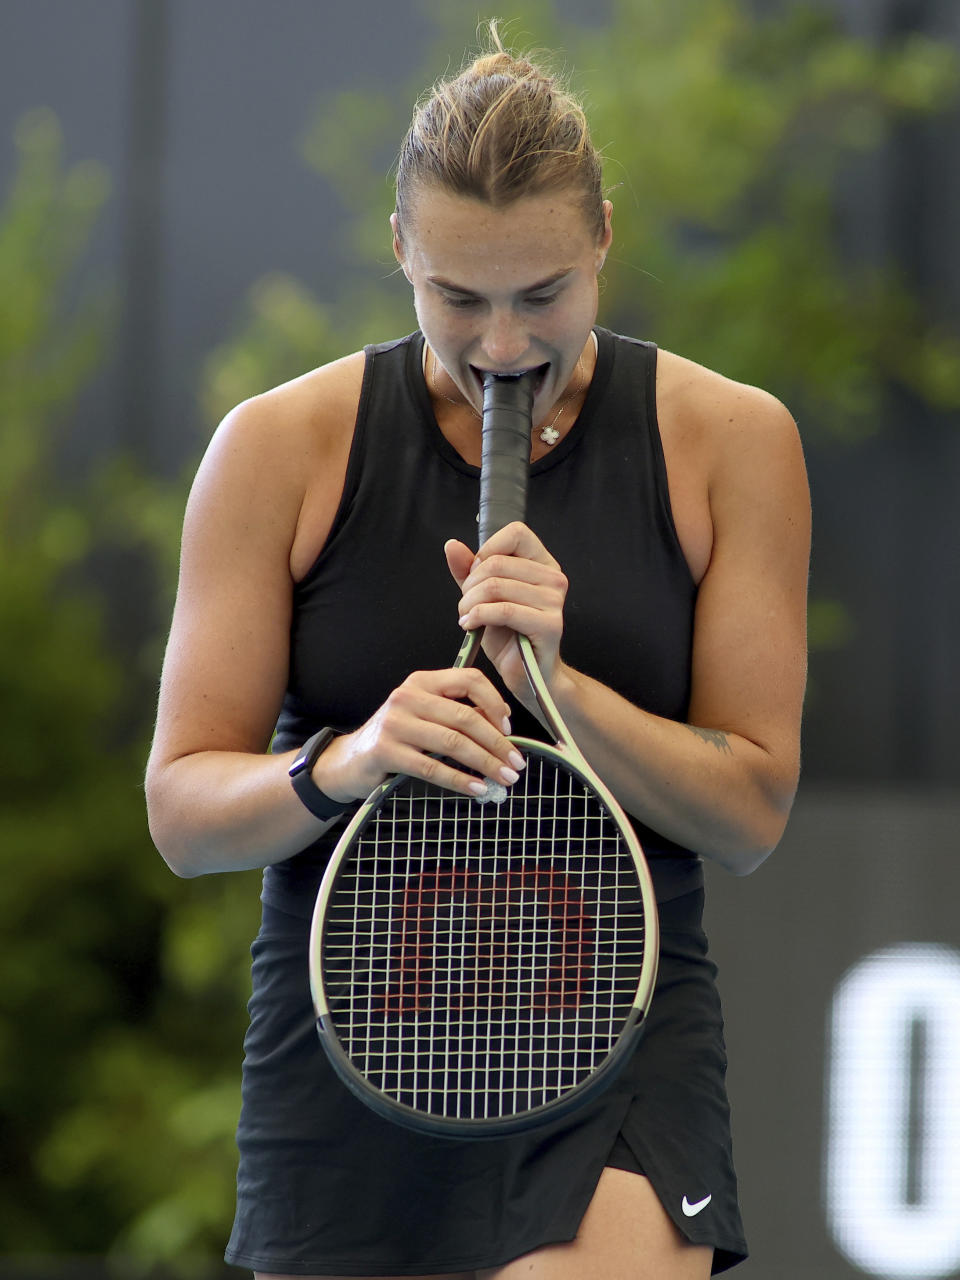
454 714
438 720
512 586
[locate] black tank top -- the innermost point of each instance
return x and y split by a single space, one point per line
379 602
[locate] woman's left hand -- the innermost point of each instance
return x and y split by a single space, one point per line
512 586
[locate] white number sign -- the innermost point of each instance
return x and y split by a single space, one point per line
892 1176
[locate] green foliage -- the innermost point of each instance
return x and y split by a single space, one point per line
43 356
746 129
121 998
121 988
725 140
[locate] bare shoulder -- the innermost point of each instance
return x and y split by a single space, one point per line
324 396
732 438
226 663
701 405
301 419
283 453
726 444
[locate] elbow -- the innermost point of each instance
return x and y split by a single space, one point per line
773 792
166 832
175 853
179 865
757 839
743 858
744 861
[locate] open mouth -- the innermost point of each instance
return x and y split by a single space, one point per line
542 371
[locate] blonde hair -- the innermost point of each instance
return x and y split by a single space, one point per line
501 129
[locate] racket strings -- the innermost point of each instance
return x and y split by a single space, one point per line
480 961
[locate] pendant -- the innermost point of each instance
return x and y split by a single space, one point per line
549 435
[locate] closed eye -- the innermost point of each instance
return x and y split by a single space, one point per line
459 301
463 302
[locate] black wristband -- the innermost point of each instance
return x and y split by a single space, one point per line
320 805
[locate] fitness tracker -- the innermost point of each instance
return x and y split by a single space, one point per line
320 805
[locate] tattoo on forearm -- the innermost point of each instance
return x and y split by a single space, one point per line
716 736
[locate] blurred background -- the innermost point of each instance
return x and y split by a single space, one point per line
194 207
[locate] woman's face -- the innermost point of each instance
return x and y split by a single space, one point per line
504 290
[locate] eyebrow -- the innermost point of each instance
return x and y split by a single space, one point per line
449 287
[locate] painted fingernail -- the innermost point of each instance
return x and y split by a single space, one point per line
505 724
517 760
509 775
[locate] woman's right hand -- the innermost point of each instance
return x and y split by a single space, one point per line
432 723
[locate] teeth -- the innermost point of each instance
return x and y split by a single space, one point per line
509 373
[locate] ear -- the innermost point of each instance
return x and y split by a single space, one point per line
398 245
606 237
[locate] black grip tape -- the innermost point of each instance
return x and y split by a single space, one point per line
505 459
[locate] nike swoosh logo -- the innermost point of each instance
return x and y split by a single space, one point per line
691 1210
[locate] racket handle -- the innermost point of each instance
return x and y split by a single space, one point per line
505 464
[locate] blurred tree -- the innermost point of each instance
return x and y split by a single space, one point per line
725 137
120 1007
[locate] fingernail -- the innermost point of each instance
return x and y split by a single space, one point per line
505 724
509 776
517 760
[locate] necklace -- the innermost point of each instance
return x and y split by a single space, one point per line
548 433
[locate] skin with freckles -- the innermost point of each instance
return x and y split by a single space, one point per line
503 289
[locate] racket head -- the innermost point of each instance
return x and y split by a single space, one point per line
486 974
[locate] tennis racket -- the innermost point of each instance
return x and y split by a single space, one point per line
480 967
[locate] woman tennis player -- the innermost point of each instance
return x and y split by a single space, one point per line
329 568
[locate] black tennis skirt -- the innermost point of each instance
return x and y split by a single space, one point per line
326 1187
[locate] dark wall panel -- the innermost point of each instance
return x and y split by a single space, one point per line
860 899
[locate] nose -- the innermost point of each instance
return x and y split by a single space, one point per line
505 341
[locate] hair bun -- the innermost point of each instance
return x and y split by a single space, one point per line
502 128
502 63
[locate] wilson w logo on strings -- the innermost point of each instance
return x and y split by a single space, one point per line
469 942
489 918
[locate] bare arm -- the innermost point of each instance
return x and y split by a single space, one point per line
724 783
216 800
259 511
